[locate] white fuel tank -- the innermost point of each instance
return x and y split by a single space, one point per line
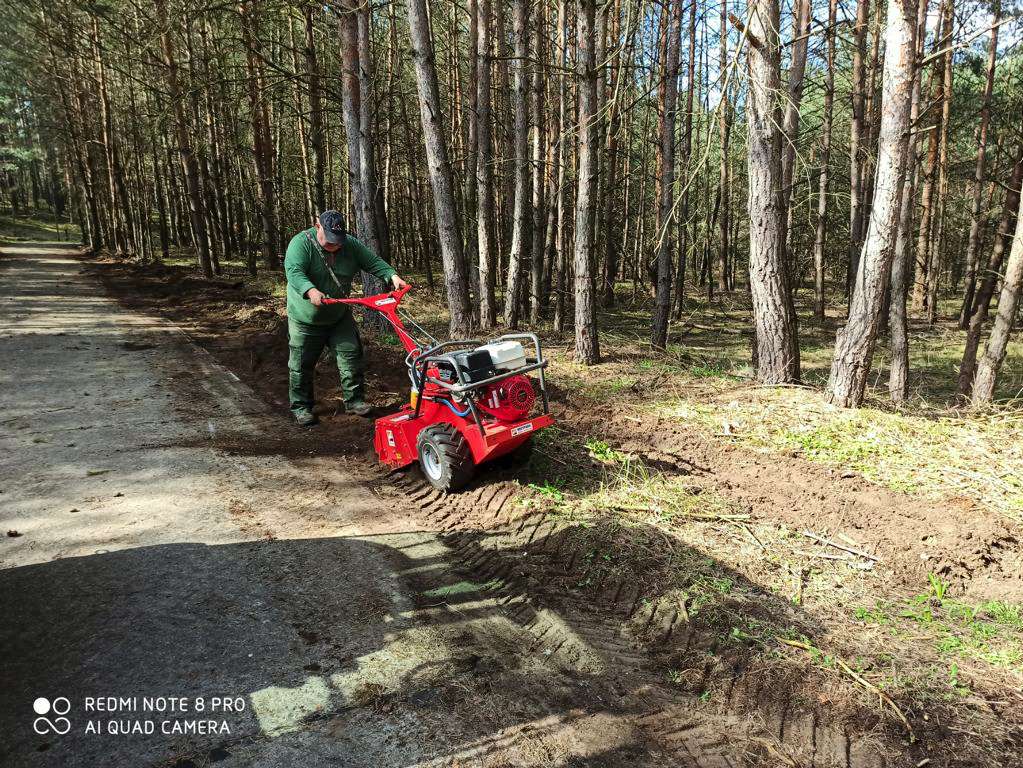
507 355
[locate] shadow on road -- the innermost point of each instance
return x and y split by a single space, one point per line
327 657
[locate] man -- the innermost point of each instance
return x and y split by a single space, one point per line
320 263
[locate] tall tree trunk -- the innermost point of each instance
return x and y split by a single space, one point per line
189 166
537 167
315 111
938 226
587 345
262 143
371 219
724 184
898 322
976 220
685 239
561 244
120 207
790 129
927 196
485 169
854 346
455 281
521 215
300 120
665 206
1010 211
856 142
998 342
612 242
470 106
820 232
775 333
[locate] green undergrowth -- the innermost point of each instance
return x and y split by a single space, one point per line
580 477
973 455
962 645
35 227
754 588
990 632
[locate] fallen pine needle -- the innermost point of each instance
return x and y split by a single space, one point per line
884 697
851 550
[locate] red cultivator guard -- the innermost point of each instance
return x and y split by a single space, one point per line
470 402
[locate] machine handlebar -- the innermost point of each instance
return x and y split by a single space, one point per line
376 301
387 305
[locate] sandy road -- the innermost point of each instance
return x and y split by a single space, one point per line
171 575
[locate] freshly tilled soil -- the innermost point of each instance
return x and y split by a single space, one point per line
530 562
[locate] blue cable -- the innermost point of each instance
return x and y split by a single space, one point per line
454 410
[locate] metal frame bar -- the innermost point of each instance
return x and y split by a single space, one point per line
459 389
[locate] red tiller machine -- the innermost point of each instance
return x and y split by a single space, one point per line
470 402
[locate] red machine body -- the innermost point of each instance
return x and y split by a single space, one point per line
495 415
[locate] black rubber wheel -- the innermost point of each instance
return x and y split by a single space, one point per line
444 457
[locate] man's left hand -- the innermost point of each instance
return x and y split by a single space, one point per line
398 283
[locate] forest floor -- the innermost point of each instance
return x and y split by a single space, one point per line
848 582
171 537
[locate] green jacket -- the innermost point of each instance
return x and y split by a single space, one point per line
305 265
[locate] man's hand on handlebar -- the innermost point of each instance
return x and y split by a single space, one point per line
398 283
315 297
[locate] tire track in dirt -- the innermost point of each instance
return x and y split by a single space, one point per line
493 540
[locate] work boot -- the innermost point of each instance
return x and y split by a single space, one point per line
305 418
358 407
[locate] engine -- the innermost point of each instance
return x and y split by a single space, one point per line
509 399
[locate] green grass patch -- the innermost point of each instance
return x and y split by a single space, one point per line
37 226
975 455
990 632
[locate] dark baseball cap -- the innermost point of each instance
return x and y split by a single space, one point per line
334 229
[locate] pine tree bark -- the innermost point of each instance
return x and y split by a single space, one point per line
854 346
485 169
561 243
927 196
300 124
665 229
938 226
685 239
315 112
724 184
1010 211
120 207
262 143
821 229
976 220
898 321
470 97
441 181
856 135
998 342
521 213
538 141
790 129
189 166
612 242
587 345
775 333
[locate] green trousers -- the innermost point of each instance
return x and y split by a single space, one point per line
306 342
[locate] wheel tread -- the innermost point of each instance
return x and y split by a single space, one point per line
457 456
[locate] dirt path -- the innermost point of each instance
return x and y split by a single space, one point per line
157 549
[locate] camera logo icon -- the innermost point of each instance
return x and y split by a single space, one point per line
60 706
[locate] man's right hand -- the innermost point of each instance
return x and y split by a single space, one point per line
315 297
